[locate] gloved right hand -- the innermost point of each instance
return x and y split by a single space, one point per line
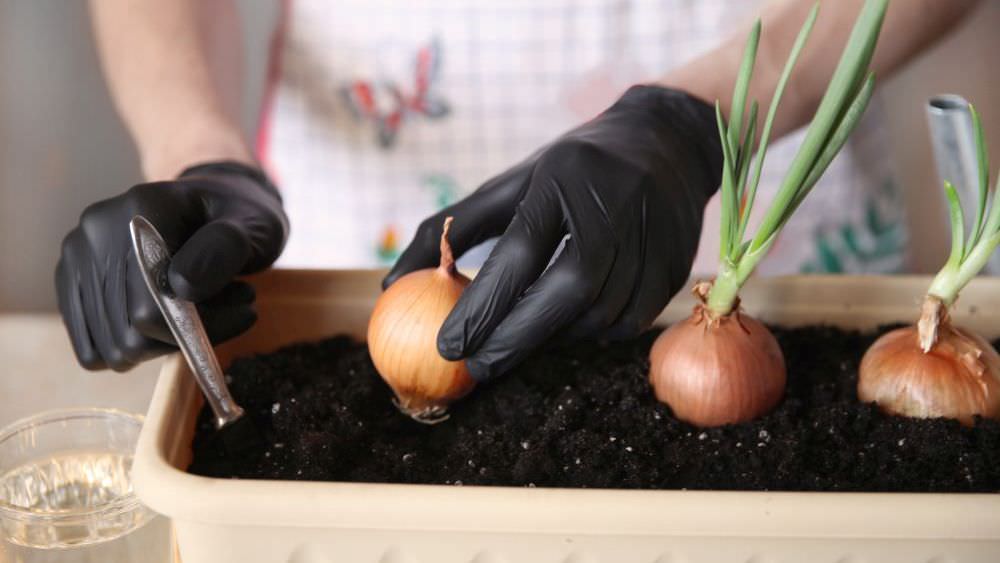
598 230
220 219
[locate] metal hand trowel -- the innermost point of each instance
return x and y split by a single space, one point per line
235 430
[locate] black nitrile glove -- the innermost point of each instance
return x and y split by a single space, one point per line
626 191
220 220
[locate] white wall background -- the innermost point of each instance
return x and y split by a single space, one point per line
62 147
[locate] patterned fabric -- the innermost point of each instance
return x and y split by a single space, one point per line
380 112
388 103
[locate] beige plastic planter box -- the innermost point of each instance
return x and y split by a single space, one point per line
220 520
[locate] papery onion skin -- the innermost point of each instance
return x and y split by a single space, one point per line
959 377
402 339
715 371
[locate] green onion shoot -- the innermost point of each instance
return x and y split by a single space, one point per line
720 365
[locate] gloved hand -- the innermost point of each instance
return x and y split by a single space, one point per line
220 220
625 192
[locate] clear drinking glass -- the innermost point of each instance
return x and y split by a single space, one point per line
66 492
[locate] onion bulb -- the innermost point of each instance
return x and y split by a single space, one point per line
402 338
932 370
713 370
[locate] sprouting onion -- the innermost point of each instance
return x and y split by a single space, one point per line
936 369
720 365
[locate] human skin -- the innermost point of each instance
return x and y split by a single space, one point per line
175 72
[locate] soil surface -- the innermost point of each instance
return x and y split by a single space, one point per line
585 416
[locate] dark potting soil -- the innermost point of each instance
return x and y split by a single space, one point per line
584 416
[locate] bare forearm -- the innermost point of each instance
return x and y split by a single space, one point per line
910 26
175 71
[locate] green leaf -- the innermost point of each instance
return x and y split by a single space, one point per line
983 159
853 64
976 260
957 226
741 251
741 88
793 57
836 142
840 108
969 257
728 189
746 154
993 222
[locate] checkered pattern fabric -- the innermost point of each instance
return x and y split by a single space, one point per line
380 112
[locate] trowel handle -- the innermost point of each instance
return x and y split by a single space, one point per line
184 321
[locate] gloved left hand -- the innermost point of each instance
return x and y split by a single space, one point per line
624 193
221 220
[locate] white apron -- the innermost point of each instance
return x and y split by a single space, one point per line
380 112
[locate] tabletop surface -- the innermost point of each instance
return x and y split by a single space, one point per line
39 372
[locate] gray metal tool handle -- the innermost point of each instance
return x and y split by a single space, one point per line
185 324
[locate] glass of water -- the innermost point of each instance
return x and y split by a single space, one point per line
66 492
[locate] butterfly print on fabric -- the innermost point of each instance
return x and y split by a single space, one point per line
388 105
